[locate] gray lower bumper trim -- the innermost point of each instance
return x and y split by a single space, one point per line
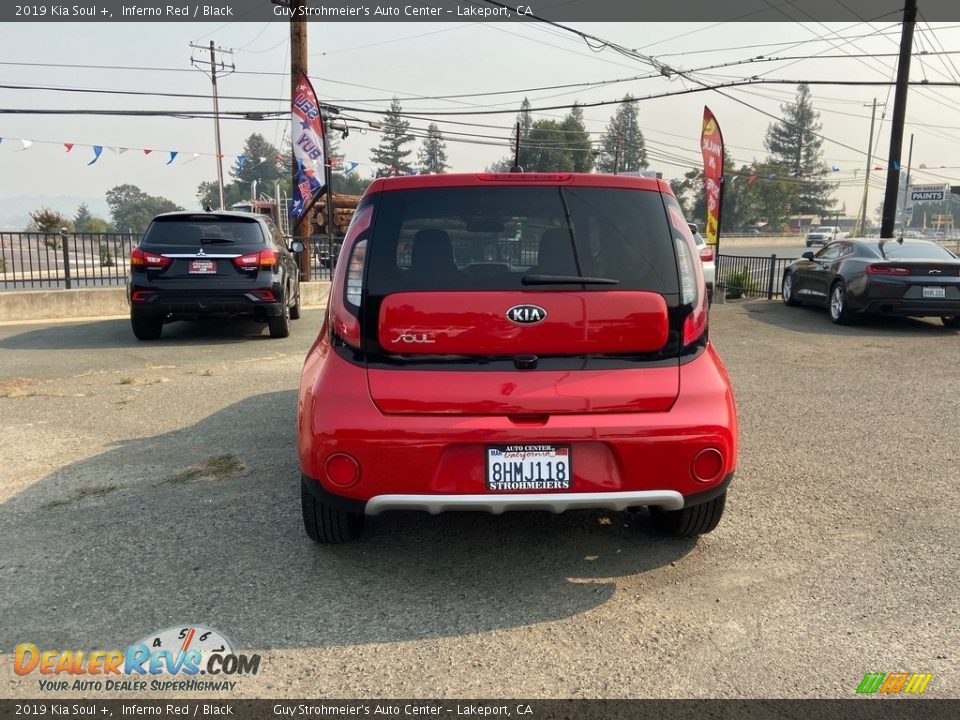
555 502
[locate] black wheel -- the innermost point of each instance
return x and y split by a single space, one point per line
146 327
280 324
951 321
295 310
326 524
691 521
786 291
839 312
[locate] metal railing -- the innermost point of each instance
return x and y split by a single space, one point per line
750 276
35 260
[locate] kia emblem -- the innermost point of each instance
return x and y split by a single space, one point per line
526 314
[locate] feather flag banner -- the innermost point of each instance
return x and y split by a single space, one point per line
309 149
711 146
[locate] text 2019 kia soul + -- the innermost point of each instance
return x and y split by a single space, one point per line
516 341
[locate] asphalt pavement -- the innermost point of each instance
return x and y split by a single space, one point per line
149 485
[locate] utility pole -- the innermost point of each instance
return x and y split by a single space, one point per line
298 64
216 102
899 115
866 177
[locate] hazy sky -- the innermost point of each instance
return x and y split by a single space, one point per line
365 64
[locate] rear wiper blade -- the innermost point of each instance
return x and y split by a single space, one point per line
566 280
217 240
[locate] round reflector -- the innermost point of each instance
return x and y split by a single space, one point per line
342 470
707 465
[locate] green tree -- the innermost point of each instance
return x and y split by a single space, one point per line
525 123
85 222
208 193
82 219
47 220
577 140
390 156
432 157
262 163
795 149
350 184
622 147
547 149
132 209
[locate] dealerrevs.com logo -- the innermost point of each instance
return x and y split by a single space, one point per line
168 660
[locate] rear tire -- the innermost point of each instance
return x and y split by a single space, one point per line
951 321
326 524
786 291
280 324
146 327
690 521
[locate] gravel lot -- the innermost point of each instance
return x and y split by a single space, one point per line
150 485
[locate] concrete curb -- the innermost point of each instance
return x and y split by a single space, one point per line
100 302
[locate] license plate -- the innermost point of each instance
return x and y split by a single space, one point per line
528 467
934 292
203 267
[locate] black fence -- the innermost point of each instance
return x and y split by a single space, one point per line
750 276
35 260
65 261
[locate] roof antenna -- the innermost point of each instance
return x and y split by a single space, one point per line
516 152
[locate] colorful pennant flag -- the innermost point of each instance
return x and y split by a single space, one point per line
97 149
68 146
173 156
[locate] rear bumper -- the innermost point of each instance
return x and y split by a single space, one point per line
497 504
219 303
435 462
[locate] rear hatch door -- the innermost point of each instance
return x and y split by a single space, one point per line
521 301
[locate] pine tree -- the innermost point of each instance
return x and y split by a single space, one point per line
432 158
261 162
577 140
795 149
525 120
547 150
82 219
622 147
390 156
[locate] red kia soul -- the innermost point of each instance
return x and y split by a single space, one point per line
516 341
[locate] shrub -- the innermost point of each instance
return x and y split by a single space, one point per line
106 257
738 283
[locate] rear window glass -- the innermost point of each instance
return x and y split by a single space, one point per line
488 238
915 251
195 230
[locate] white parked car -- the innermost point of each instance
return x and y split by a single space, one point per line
707 258
823 235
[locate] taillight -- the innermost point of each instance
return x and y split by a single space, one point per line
887 270
706 253
347 290
695 323
149 260
355 273
253 261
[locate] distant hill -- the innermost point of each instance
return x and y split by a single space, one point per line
15 211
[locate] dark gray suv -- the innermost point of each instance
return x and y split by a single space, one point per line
195 265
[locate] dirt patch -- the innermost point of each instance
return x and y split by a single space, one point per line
80 494
213 469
